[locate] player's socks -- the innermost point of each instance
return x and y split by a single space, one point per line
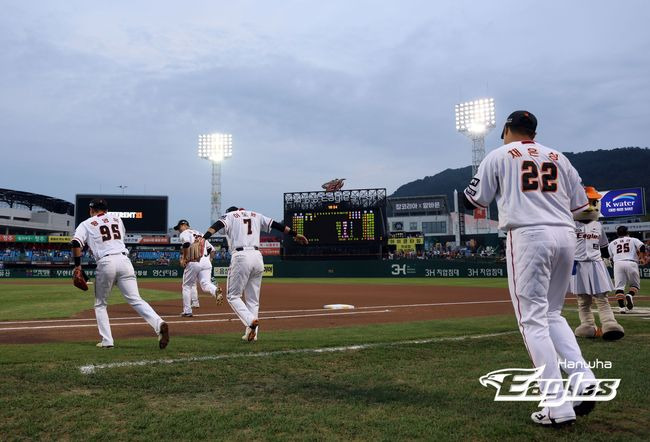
620 297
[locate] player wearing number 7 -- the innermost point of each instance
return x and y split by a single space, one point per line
103 232
537 189
242 228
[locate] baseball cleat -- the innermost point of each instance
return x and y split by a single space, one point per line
542 417
252 330
100 345
186 315
622 310
163 335
195 305
629 301
621 301
248 329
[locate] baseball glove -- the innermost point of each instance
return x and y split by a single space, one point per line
80 279
195 251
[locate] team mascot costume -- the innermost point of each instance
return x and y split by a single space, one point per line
590 281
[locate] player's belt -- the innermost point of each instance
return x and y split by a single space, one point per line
111 254
241 249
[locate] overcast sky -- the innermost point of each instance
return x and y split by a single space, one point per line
94 95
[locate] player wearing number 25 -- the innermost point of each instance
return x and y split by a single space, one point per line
103 232
242 228
536 189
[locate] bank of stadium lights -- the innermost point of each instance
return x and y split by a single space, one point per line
215 147
475 119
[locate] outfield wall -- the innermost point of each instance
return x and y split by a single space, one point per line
318 269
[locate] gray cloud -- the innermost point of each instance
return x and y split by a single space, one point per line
93 99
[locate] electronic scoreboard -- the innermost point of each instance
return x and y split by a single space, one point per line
341 223
332 225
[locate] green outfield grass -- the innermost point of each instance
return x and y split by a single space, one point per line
403 392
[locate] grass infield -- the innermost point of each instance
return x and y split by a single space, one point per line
425 391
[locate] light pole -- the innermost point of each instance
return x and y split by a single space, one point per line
475 119
215 147
123 188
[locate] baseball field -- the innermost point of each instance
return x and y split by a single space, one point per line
403 365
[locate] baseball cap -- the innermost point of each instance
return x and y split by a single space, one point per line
621 230
182 221
232 209
98 204
521 119
592 193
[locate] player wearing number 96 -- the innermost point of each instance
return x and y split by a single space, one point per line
103 232
242 228
537 189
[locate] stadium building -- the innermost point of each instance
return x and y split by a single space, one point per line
24 213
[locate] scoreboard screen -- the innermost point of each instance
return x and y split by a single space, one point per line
140 214
332 225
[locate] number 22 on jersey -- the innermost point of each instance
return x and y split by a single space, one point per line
531 179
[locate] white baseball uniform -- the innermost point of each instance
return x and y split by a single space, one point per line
625 254
201 271
590 276
104 235
242 228
536 189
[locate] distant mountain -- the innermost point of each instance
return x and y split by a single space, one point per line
603 169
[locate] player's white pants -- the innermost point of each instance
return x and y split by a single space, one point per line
118 269
540 260
245 278
626 273
201 271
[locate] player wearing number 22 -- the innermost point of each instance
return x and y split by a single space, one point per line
242 228
537 189
103 232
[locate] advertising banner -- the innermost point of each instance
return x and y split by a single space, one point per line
59 239
223 271
622 202
270 248
404 205
154 240
7 238
139 213
31 238
406 244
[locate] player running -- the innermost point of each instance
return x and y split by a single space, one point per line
103 232
625 252
242 228
201 270
536 189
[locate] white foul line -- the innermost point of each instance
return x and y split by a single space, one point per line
433 304
196 321
92 368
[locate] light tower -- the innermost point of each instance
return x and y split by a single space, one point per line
215 148
475 119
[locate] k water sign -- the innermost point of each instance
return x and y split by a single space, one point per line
622 202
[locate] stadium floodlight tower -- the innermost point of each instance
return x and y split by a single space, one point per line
215 148
475 119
